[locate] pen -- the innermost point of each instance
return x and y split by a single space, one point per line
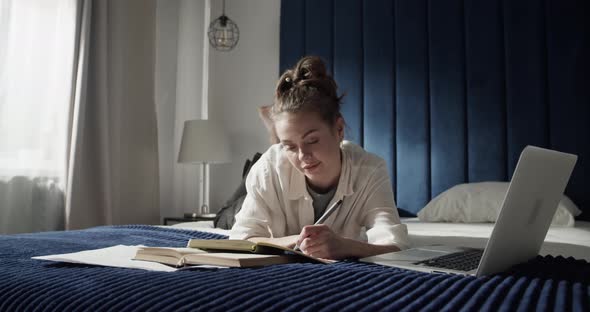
325 216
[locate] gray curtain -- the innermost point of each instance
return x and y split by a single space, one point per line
113 165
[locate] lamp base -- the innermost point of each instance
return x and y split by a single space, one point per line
196 215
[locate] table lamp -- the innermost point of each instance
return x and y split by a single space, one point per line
203 142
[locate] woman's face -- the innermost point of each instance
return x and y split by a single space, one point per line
312 146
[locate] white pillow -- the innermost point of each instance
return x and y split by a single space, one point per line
481 202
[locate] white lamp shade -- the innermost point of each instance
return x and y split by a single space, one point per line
203 141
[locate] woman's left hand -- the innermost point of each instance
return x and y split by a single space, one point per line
320 241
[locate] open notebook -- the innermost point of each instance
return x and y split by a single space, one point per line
245 246
211 254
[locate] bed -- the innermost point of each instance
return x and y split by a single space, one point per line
545 283
447 92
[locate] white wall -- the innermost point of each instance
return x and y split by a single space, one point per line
239 81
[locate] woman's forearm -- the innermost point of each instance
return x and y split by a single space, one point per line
358 249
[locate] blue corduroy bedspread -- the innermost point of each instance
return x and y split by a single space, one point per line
544 284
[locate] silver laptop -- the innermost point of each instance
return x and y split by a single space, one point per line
537 185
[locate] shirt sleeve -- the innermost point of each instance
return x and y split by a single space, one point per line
381 218
254 217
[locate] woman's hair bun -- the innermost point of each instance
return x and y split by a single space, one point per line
310 67
308 86
310 70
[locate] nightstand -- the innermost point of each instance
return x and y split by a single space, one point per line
174 220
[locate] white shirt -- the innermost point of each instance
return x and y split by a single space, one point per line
278 203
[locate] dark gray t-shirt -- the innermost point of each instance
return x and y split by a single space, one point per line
320 201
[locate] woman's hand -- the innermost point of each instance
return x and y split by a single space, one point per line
320 241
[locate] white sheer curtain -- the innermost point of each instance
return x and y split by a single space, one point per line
37 64
77 112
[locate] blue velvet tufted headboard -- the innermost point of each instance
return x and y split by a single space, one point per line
450 91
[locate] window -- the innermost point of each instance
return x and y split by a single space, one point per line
36 64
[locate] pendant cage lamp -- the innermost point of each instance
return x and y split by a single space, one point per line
223 33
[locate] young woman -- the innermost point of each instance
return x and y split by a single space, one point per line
311 168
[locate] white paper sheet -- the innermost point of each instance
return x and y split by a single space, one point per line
119 256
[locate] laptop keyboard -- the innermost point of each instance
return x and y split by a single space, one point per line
460 261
